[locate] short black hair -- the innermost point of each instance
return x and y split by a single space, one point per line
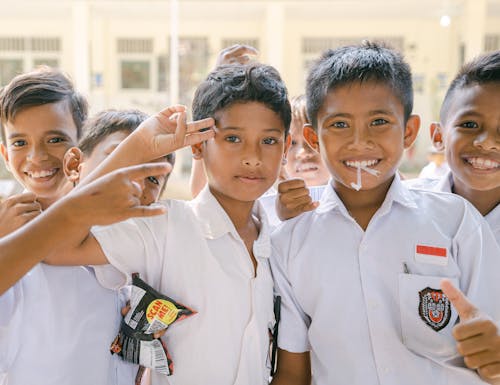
367 61
481 70
43 85
107 122
242 83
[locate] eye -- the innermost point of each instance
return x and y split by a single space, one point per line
379 122
293 143
270 141
153 180
19 143
232 139
57 139
469 125
339 125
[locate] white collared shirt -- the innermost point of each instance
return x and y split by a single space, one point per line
194 255
56 326
352 296
445 184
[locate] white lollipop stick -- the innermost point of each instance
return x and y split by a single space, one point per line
357 186
371 171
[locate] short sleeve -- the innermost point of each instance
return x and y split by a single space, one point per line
294 323
132 246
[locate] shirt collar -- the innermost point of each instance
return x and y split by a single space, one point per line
445 184
397 193
215 223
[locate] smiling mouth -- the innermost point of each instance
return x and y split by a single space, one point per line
362 163
306 168
42 173
482 163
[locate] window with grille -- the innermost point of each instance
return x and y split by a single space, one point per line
491 43
245 41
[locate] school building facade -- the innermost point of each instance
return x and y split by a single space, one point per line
147 54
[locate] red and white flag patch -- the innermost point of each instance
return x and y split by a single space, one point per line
431 254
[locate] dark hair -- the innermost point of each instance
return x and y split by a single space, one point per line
241 83
108 122
481 70
41 86
365 62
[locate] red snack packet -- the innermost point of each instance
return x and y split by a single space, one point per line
150 313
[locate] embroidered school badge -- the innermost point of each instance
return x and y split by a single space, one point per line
434 308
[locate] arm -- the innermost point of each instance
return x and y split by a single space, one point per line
157 136
293 369
62 233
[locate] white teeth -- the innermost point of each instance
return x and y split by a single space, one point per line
361 164
42 173
482 163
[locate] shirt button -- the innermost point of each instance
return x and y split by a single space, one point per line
373 304
386 370
362 247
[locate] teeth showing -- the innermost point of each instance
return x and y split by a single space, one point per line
42 173
482 163
361 164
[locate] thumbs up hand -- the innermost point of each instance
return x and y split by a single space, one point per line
293 199
477 336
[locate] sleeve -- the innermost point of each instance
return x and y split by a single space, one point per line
294 323
132 246
11 320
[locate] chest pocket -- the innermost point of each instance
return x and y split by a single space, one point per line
427 317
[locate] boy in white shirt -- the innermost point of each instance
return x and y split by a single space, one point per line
470 136
360 277
212 253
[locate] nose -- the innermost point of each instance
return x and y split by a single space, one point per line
488 140
252 156
38 153
361 138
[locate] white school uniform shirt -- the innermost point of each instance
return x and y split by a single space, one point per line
352 296
56 326
194 255
445 184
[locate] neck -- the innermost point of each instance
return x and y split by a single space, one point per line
240 212
483 201
363 204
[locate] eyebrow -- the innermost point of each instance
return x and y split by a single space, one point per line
50 132
347 115
272 129
468 112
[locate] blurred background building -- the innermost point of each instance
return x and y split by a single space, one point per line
149 54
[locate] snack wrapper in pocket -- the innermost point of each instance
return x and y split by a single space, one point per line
150 313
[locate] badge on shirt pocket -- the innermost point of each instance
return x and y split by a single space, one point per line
433 255
427 317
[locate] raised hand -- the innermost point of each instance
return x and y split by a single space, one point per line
476 334
17 210
293 198
236 54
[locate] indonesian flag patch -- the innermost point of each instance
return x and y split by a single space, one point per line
431 254
434 308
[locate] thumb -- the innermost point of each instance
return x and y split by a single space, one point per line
283 175
465 309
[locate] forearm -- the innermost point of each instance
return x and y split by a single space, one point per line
30 244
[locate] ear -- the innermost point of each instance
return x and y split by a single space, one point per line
288 142
311 137
411 130
197 151
73 159
5 156
436 136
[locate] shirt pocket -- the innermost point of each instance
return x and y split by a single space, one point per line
427 317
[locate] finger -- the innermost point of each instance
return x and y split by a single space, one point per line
22 208
465 309
29 216
146 211
291 184
297 203
142 171
125 309
475 361
160 333
198 137
200 125
20 198
242 49
171 110
136 189
491 371
477 328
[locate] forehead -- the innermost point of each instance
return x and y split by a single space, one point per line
360 98
40 120
250 116
110 142
479 98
